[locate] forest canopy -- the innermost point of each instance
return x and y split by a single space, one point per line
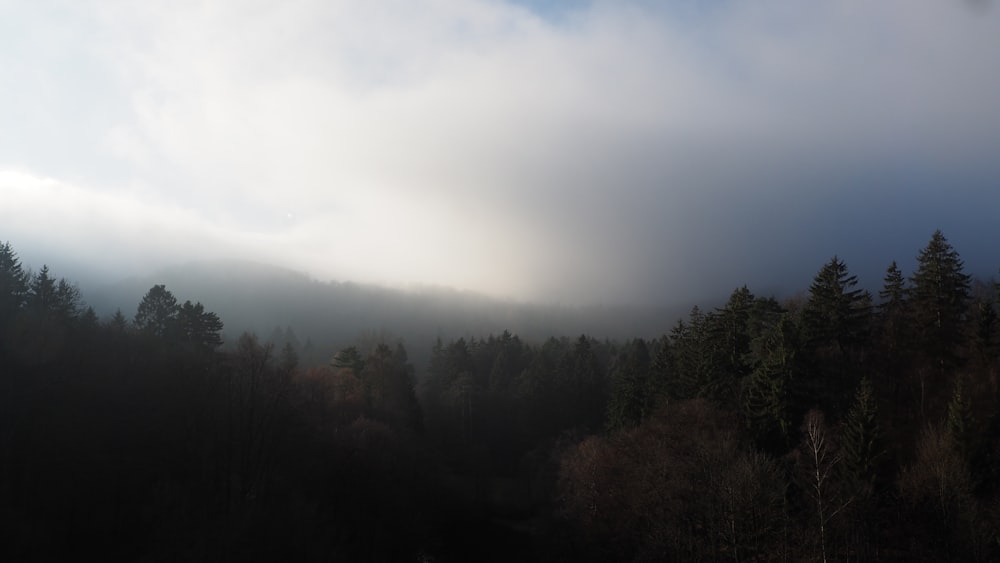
841 424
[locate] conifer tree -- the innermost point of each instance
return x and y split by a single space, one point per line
767 398
861 439
835 324
350 358
13 283
960 424
41 292
693 357
893 293
198 327
631 400
836 313
728 342
157 312
940 294
861 451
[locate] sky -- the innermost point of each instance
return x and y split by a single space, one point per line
573 152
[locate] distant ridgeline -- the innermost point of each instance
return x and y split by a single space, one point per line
321 318
837 425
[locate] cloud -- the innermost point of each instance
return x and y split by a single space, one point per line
619 151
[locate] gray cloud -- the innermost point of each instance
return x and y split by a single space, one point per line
612 152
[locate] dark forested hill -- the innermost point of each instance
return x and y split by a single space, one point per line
331 315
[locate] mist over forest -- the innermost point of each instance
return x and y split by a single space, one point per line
835 424
325 317
499 280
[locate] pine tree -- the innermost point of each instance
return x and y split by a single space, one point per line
861 451
835 325
728 340
693 358
893 291
940 294
836 313
349 358
767 399
41 292
960 424
861 440
157 312
631 398
13 284
199 328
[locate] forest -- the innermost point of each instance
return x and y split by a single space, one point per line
833 426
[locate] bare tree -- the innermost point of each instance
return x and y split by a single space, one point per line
819 460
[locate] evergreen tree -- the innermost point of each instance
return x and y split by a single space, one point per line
13 284
861 439
835 324
986 321
767 399
728 334
693 358
157 312
836 313
940 294
631 397
199 328
893 292
349 358
960 423
118 323
41 296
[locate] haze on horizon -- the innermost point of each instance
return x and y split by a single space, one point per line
574 152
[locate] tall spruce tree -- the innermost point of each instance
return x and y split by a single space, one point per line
861 440
836 323
940 295
728 341
836 313
766 398
631 394
13 284
693 357
960 423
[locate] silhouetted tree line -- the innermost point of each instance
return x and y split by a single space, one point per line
835 426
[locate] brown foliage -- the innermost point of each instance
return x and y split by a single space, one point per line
680 485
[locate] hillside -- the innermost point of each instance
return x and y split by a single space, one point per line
327 316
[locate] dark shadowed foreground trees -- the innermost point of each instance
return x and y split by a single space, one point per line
822 428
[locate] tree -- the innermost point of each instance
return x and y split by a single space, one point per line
728 335
861 450
157 312
893 292
349 358
388 382
835 324
631 391
767 398
818 464
693 358
895 342
118 323
940 293
960 424
199 328
13 284
861 440
836 313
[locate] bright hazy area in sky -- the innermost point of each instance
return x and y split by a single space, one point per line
578 152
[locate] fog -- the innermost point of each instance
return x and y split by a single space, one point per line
578 153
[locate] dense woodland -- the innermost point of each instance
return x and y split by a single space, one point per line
836 426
